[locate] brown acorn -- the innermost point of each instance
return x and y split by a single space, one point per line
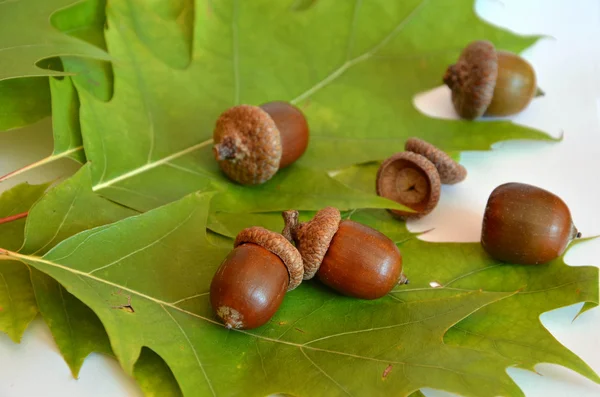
516 85
490 82
525 224
250 284
252 142
412 180
351 258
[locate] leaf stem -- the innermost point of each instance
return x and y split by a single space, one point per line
13 217
45 160
149 166
5 254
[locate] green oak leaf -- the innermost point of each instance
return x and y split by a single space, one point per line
23 101
66 210
511 328
22 48
332 59
17 301
339 345
75 328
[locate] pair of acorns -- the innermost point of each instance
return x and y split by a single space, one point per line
349 257
522 224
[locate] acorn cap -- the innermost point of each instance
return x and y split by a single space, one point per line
450 171
412 180
473 78
312 238
247 144
277 244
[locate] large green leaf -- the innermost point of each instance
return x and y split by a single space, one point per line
333 59
17 301
339 345
22 48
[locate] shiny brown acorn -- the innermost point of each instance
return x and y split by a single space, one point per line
251 282
351 258
252 142
525 224
490 82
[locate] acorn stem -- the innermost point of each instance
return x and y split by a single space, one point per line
403 279
290 218
226 150
450 76
574 232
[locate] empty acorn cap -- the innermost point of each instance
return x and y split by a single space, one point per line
247 144
450 171
312 238
473 78
280 246
412 180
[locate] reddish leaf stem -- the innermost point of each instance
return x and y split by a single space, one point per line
13 217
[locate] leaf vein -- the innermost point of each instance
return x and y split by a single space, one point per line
185 335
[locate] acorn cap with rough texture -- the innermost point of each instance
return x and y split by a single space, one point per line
450 171
277 244
247 144
473 79
312 238
412 180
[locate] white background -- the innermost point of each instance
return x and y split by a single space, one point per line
567 63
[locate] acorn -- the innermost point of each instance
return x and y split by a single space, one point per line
251 143
489 82
525 224
251 282
349 257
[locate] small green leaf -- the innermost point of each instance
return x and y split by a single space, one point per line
17 301
65 120
85 20
75 328
63 212
23 101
